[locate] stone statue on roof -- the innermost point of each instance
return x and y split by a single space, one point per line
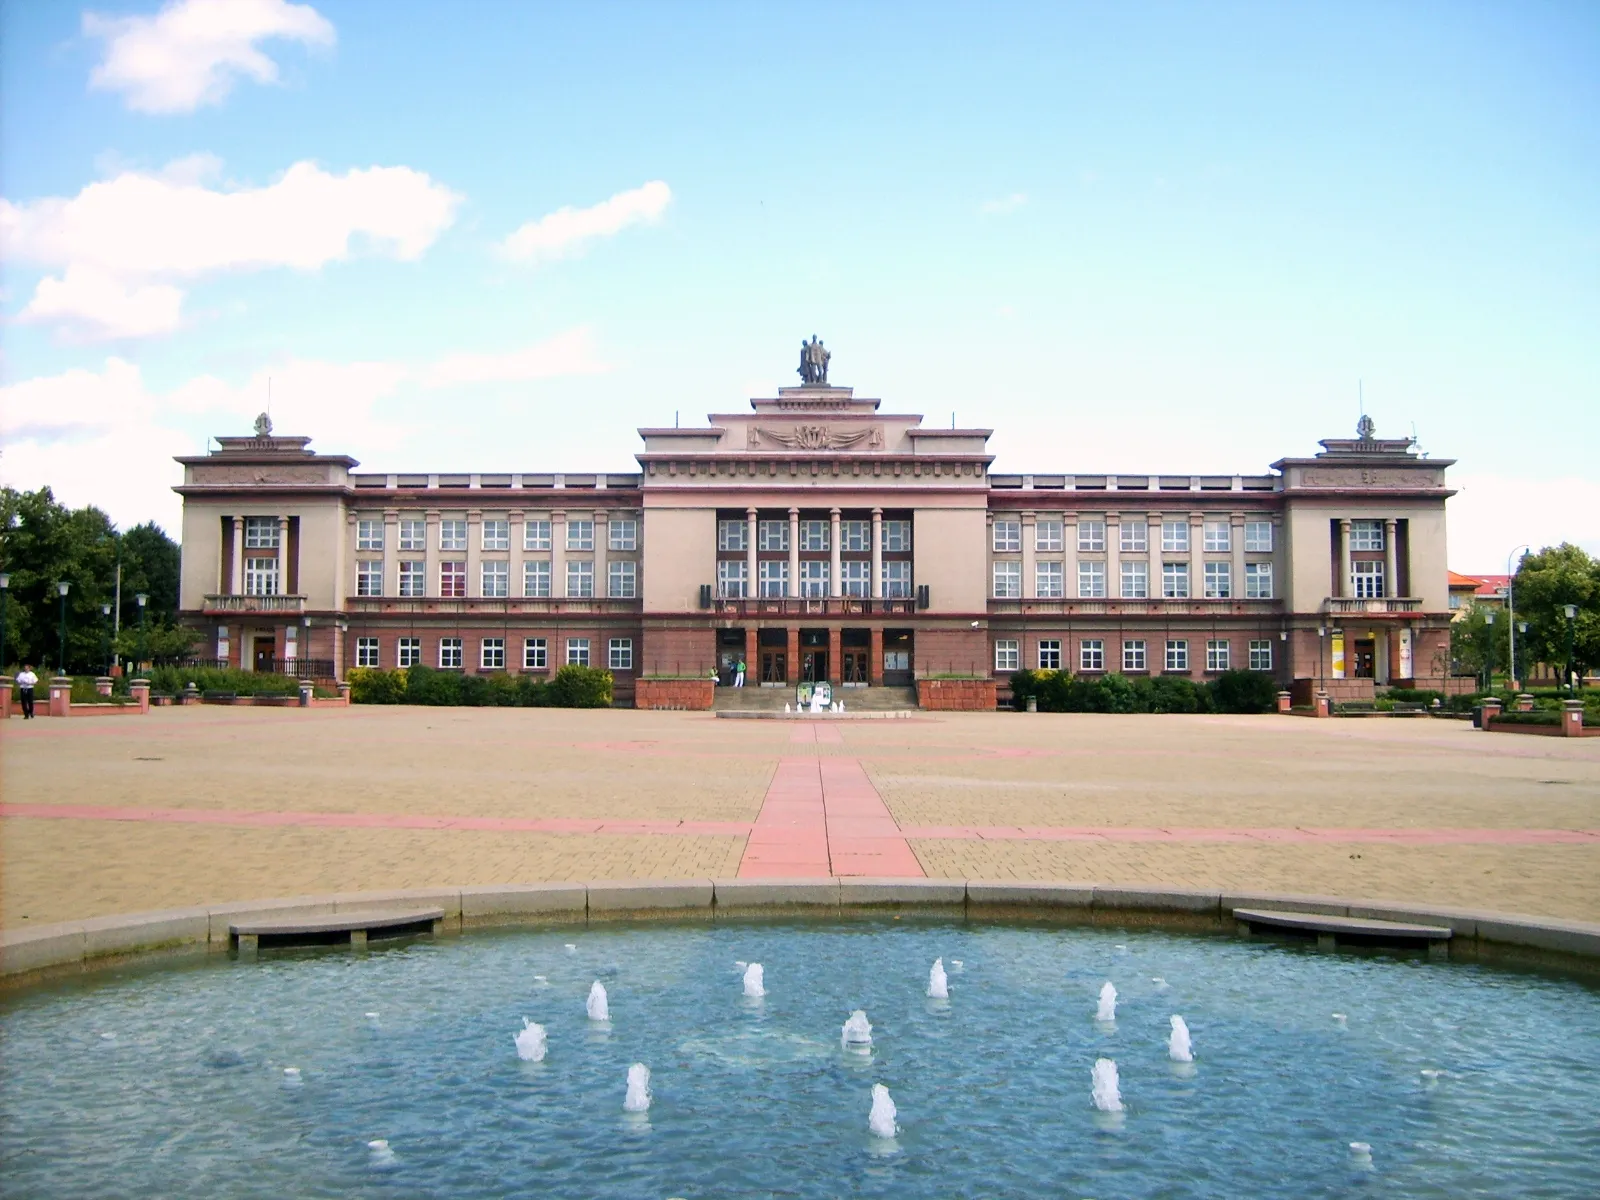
263 426
814 358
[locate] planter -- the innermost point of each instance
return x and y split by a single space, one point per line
957 695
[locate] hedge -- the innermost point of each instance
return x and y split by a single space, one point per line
571 687
171 681
1060 691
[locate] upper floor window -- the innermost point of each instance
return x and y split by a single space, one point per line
733 579
580 578
413 578
452 535
1092 580
1366 580
496 579
1175 581
774 581
896 536
536 578
453 580
1258 537
897 580
813 535
536 535
1219 537
1135 537
580 535
1091 535
497 535
855 536
413 535
261 577
1258 581
369 577
814 579
369 535
1007 537
623 534
733 535
1007 580
622 579
1219 581
772 535
1135 579
1047 535
1175 537
261 533
855 578
1366 535
1048 581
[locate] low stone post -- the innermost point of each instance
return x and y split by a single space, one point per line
5 696
1572 718
102 685
1033 704
139 689
1284 702
1491 710
1524 702
191 695
306 689
344 692
1324 705
61 696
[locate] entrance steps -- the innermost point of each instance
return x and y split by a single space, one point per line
856 700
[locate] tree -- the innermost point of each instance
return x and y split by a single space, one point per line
1477 646
1545 584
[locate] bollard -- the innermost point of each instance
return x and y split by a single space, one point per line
1524 702
139 689
1284 702
1324 705
1491 710
305 693
61 696
5 696
1572 718
344 692
1033 704
102 685
191 695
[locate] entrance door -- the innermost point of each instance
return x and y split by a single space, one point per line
262 655
855 666
774 666
1366 656
813 666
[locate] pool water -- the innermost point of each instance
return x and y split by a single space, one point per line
172 1082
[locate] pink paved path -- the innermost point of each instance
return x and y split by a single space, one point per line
822 816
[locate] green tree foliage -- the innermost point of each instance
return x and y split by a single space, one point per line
1061 691
571 687
1545 583
1244 692
1478 644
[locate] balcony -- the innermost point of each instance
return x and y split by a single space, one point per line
1377 606
826 606
255 605
373 606
1134 608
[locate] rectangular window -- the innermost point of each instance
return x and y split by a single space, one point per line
1092 580
1258 537
407 651
366 652
1366 580
622 534
261 533
580 578
622 579
1049 580
814 580
1047 535
772 535
497 535
452 535
774 579
1050 655
1258 581
1091 535
369 535
577 652
1175 581
813 535
1216 655
1175 537
897 660
536 579
1135 536
413 535
453 580
1133 656
1007 580
733 579
1007 537
1260 654
536 535
1366 535
369 577
855 578
1178 655
619 654
496 580
897 580
855 537
534 654
414 578
1219 580
261 577
1219 537
732 535
580 535
1007 655
1092 655
449 654
492 654
1136 580
897 536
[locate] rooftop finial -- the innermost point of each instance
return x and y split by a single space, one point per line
263 426
1365 428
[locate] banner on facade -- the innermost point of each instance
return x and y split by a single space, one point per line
1338 656
1405 655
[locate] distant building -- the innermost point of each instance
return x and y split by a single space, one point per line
1469 590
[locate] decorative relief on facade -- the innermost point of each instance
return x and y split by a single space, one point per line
1378 477
814 437
250 475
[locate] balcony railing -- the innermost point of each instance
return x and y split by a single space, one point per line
255 604
824 606
300 668
1133 608
426 605
1378 605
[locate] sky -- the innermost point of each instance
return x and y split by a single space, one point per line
1151 237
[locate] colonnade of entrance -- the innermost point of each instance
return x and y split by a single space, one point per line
847 656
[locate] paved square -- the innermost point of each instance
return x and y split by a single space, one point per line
197 805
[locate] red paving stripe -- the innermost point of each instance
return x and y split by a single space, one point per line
1108 833
823 816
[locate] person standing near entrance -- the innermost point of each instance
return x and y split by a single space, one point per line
738 674
26 682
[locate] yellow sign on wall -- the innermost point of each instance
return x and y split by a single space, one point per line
1338 656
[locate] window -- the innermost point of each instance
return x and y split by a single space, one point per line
856 536
1092 655
897 660
1175 581
619 654
366 652
814 579
1366 535
369 577
1219 537
577 652
1047 535
492 654
261 533
1175 537
1136 580
497 535
1366 580
897 536
774 579
622 579
732 535
1007 580
1133 656
449 654
534 654
813 535
413 535
772 535
1135 536
733 579
1258 537
1049 580
369 535
1050 655
623 534
452 535
536 579
1007 537
1092 580
1091 535
580 578
413 578
855 578
407 651
1007 655
453 580
580 535
1258 581
1216 655
1178 655
261 577
496 580
1219 580
536 535
1260 654
897 580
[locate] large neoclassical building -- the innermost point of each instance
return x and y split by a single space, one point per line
816 537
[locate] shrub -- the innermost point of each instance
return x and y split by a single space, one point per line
1173 694
369 685
172 681
581 687
1116 694
1024 684
1244 692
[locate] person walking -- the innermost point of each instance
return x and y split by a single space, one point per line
738 674
26 682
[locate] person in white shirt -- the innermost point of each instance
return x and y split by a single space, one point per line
26 682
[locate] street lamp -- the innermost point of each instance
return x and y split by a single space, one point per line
1511 615
63 587
5 595
1322 632
1572 619
105 634
1488 652
141 598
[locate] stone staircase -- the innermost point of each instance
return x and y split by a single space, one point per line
772 700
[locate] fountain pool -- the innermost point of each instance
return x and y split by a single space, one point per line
992 1088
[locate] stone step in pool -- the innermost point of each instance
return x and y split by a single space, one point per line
246 937
1356 931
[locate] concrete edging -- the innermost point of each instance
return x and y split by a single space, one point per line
73 947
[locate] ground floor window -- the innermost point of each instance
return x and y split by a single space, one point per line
1092 655
1050 655
449 654
1133 656
1007 656
1217 655
1178 655
577 652
366 652
492 654
408 651
1260 654
619 654
533 654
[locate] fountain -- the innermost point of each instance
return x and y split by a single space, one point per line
1178 1047
1107 1093
638 1097
530 1042
753 987
1108 1003
291 1077
599 1010
1361 1155
857 1030
380 1154
938 982
882 1118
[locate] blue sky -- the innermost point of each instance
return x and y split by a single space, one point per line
1149 237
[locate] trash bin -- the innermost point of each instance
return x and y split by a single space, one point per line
1477 716
1033 704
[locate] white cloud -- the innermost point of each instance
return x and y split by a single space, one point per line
91 305
568 231
569 353
1004 206
190 53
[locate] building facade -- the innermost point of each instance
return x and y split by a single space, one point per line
815 537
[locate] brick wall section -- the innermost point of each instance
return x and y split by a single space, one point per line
676 650
952 651
956 695
695 695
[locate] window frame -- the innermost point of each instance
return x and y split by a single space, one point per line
411 535
622 579
1177 655
453 580
619 654
577 652
1048 654
367 655
733 535
494 579
1135 572
407 651
1134 537
622 533
253 533
1219 655
1007 654
535 654
1258 581
492 654
1218 537
1254 542
580 534
1006 579
580 579
261 576
1177 582
1049 536
450 647
1175 537
1092 571
1092 654
815 536
1367 535
1006 537
1091 536
536 534
452 535
731 572
495 534
537 570
897 536
1135 654
1260 653
1218 581
1050 579
772 536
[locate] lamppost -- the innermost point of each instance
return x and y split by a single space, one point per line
1488 651
105 634
305 648
1572 621
63 587
1511 616
1322 633
5 595
141 598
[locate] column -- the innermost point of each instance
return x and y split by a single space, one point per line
876 588
474 553
875 666
1030 574
391 540
752 657
794 558
1342 584
558 563
602 540
1155 639
835 656
518 524
1197 569
283 556
430 555
1391 559
1069 559
835 582
1113 565
752 586
1236 541
792 663
236 583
